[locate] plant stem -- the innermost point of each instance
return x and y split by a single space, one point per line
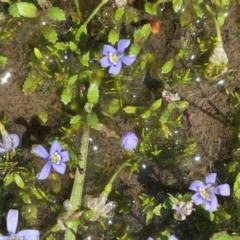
76 195
90 18
78 10
219 37
108 187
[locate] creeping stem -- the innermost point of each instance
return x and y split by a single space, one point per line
76 195
103 2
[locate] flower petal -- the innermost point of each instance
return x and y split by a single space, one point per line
195 185
105 62
122 45
15 140
64 156
2 150
115 69
198 199
56 147
223 190
29 234
45 171
4 238
108 49
12 221
212 204
40 151
128 60
129 141
172 237
211 178
59 168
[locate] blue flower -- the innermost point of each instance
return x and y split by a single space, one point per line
55 159
172 237
129 141
115 58
9 141
205 193
12 222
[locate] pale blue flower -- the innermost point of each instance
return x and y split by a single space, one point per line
115 57
12 222
205 193
129 141
56 159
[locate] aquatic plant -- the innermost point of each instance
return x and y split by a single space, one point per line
12 222
115 57
56 159
129 141
206 193
8 141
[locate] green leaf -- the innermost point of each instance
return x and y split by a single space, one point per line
220 18
93 93
72 79
73 46
92 120
146 114
142 33
185 17
9 179
134 49
66 95
85 74
130 109
157 210
150 8
55 182
75 119
198 11
149 217
155 105
60 46
50 34
18 180
221 236
88 107
3 61
167 67
31 82
44 3
37 53
113 106
84 59
38 193
80 31
55 13
43 117
119 14
25 197
177 5
13 10
236 187
113 36
27 9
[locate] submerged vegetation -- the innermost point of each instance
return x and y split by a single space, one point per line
131 122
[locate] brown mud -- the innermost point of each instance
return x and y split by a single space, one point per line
210 119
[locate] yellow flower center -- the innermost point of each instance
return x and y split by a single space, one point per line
113 58
204 194
55 158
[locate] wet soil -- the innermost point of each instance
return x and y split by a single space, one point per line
210 118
